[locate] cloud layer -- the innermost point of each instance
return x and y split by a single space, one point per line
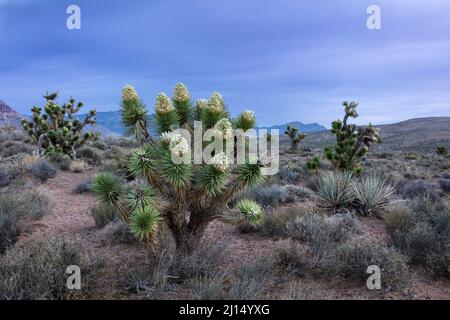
285 59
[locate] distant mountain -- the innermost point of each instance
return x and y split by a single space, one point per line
9 117
309 127
110 120
420 134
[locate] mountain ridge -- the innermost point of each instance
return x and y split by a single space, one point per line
408 135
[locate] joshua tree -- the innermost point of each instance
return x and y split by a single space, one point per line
57 130
295 136
441 150
352 142
185 196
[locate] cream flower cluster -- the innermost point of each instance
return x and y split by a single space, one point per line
202 103
225 128
215 103
220 161
248 115
129 94
177 143
163 104
166 136
181 93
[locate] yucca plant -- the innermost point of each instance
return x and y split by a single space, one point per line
334 188
185 196
352 142
295 136
372 194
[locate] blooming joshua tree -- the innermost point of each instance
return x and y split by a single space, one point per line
352 142
185 196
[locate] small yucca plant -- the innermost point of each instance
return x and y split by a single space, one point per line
372 194
248 210
185 196
334 188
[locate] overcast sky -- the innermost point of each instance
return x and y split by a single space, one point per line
285 59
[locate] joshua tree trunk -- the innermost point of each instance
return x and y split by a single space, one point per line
187 235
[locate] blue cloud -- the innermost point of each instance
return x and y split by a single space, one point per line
285 59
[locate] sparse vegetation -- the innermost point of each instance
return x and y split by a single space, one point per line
422 231
17 212
37 270
42 170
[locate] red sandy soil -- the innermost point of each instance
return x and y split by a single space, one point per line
70 216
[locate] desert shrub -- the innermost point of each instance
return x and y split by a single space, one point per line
82 187
60 160
411 156
4 178
352 259
10 228
274 195
334 188
99 145
42 170
385 155
321 232
289 175
304 291
16 212
372 194
90 155
422 232
103 215
119 232
410 189
200 271
292 259
203 262
11 148
439 262
78 166
444 183
273 224
208 288
250 279
32 205
37 270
